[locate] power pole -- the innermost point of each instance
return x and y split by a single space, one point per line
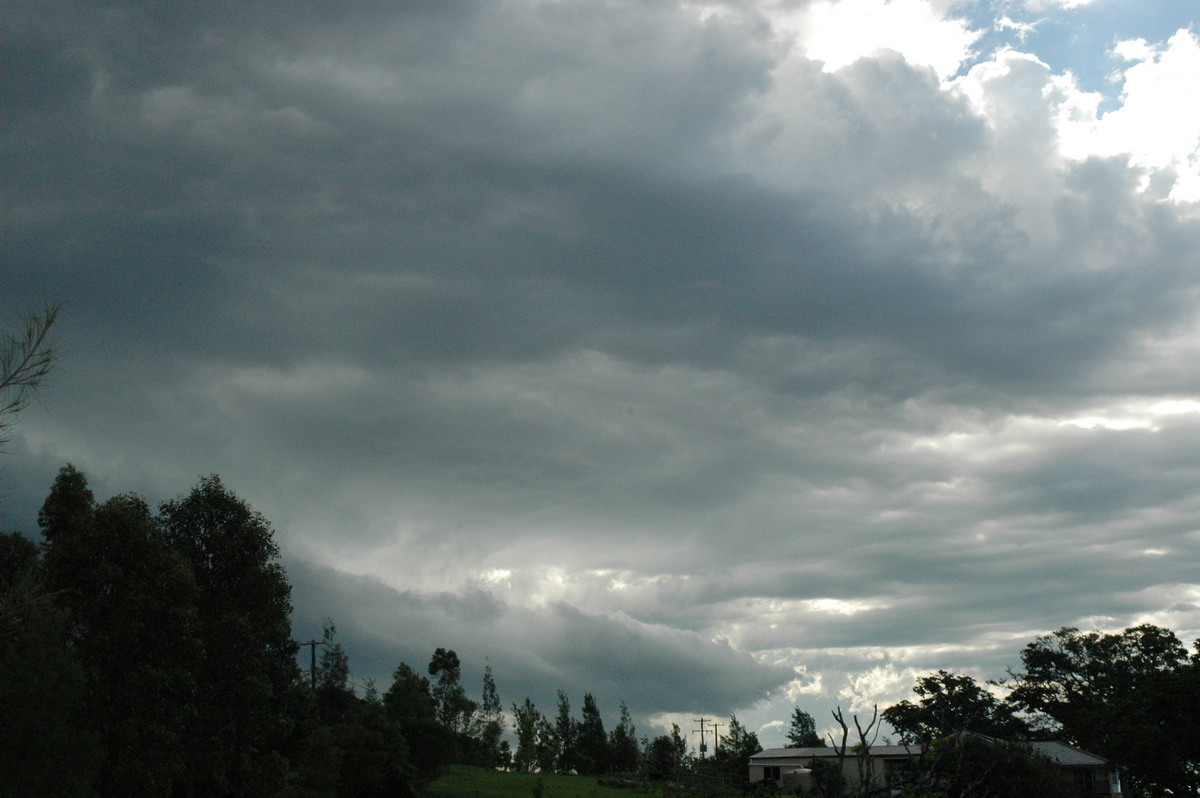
701 730
716 739
312 668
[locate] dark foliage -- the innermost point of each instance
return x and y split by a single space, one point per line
1123 696
803 730
593 754
972 766
950 704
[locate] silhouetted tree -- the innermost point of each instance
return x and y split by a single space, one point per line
950 704
566 730
130 602
409 703
454 708
47 750
489 724
592 742
731 759
622 743
246 671
526 719
967 765
1117 695
803 731
666 755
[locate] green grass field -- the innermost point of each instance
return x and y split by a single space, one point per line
466 782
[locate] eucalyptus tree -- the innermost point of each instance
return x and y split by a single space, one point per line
247 672
129 600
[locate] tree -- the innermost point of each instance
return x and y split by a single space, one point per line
967 765
247 671
951 704
565 732
490 722
832 780
67 519
546 748
130 604
623 745
803 731
732 758
21 583
1116 695
592 742
526 720
454 708
375 758
351 746
666 755
45 751
408 702
25 360
335 701
141 602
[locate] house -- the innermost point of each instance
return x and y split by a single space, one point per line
792 768
1093 775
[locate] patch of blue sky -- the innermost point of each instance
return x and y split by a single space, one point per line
1080 39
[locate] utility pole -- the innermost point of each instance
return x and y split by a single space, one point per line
716 739
703 744
312 669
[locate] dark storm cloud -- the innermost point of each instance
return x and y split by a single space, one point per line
254 200
533 651
679 337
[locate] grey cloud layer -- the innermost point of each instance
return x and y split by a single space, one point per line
446 288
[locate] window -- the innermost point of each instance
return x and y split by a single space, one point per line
771 772
1091 781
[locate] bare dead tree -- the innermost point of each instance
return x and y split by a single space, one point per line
864 762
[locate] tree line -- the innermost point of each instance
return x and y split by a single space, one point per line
150 653
1132 697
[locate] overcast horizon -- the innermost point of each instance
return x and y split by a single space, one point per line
715 357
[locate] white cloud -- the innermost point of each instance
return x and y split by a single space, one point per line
881 685
838 33
1158 122
1039 6
1023 29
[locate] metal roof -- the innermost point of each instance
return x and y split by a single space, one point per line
1067 756
1061 753
819 752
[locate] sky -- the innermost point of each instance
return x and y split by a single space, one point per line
714 357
